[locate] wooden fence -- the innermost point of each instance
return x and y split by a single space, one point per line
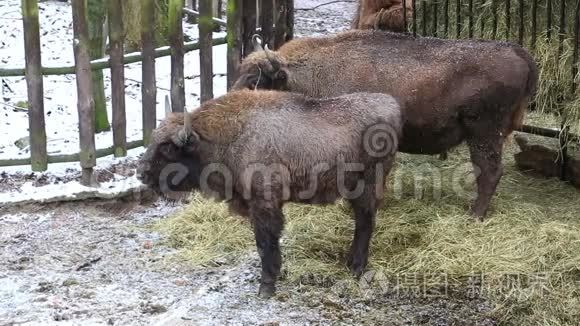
272 19
550 29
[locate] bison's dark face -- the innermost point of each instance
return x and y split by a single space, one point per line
262 69
262 74
171 167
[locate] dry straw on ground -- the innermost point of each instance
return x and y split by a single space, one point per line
533 232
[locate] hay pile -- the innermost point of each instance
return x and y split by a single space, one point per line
528 251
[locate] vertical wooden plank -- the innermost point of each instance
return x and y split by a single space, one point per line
35 87
85 102
205 49
435 25
521 23
562 27
148 85
281 24
534 23
248 25
176 43
266 21
470 22
234 30
446 19
289 20
116 40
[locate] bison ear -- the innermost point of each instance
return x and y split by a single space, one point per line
243 82
186 140
282 75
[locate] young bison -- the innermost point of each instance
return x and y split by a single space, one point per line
382 14
257 150
451 90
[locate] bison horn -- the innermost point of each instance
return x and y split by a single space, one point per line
184 134
257 42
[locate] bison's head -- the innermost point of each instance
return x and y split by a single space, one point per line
263 69
171 164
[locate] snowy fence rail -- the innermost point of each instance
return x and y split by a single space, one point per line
275 25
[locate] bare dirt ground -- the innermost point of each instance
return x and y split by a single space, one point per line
100 263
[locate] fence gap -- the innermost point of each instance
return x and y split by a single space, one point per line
234 30
458 18
549 20
206 49
494 19
85 101
35 86
249 16
508 17
414 5
405 15
116 40
424 17
176 44
435 18
191 4
148 85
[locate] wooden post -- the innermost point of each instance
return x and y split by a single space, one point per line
205 49
249 26
116 39
148 86
281 24
35 88
85 102
266 21
234 30
289 20
176 42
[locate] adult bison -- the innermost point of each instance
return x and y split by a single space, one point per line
259 149
451 90
387 15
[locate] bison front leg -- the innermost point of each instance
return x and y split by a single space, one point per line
268 222
364 209
486 154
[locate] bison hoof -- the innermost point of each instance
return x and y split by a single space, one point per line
357 267
267 290
477 215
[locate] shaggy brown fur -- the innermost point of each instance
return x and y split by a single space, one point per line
452 90
382 14
257 150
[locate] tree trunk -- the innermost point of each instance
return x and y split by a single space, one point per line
97 15
176 42
116 38
34 85
85 103
148 86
